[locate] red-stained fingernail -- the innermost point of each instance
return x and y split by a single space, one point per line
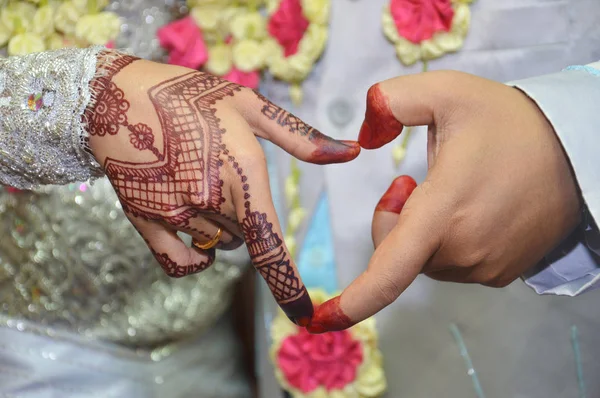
331 151
380 125
394 199
330 317
303 321
315 328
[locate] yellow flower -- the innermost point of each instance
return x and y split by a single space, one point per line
43 21
66 18
18 16
250 25
207 17
219 60
370 381
90 6
316 11
248 55
26 43
5 34
314 41
290 242
55 41
202 3
295 218
296 94
98 29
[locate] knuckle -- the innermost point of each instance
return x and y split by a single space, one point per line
388 290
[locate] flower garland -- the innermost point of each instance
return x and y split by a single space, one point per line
239 40
424 30
35 26
331 365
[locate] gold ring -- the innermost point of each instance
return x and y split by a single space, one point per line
211 243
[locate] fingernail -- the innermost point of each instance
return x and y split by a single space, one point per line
332 151
394 199
303 321
315 328
350 143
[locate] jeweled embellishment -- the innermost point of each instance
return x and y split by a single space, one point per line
48 98
35 102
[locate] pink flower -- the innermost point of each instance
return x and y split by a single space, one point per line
248 79
287 25
11 189
110 44
183 39
330 360
419 20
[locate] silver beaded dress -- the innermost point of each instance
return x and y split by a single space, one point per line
85 311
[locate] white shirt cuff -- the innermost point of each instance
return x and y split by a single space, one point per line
570 100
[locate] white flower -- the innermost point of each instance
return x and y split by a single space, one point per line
248 55
219 60
26 43
98 29
43 21
250 25
66 18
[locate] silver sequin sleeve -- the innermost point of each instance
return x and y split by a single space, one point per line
42 99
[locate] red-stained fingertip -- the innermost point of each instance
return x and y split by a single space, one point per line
394 199
380 125
330 151
329 317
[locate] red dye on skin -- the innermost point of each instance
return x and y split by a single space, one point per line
380 125
395 197
329 317
331 151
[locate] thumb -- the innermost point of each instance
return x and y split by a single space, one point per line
395 103
397 261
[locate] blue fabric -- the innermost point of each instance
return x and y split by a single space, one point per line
585 68
316 259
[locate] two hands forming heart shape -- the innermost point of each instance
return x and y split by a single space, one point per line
180 148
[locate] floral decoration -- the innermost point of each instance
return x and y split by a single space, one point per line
331 365
239 40
35 26
423 30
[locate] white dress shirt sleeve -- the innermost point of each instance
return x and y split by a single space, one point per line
571 102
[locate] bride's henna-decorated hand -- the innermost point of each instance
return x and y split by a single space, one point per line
181 151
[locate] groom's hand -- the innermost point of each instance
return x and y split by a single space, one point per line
499 193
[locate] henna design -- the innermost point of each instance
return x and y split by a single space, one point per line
109 112
184 179
175 270
189 165
271 260
110 107
287 120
